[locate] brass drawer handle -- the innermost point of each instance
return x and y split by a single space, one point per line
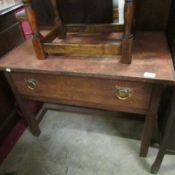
31 84
123 93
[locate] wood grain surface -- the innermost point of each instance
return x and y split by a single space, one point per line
150 54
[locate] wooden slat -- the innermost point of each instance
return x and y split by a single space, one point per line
58 20
111 27
51 35
83 49
92 28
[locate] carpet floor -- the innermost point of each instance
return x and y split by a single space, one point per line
83 144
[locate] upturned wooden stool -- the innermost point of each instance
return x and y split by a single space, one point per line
84 40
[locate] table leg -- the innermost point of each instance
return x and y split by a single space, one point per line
150 120
163 146
27 113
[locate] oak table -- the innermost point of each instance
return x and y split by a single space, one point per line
102 83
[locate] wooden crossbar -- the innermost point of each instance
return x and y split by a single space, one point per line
93 28
83 49
51 35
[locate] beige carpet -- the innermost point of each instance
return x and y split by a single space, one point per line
78 144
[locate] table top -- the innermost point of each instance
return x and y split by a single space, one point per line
151 62
9 5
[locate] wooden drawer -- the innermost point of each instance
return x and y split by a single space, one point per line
84 91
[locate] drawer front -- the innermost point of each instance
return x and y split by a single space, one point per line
84 91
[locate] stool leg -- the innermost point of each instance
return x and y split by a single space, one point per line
128 32
37 38
27 114
150 120
58 20
170 123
